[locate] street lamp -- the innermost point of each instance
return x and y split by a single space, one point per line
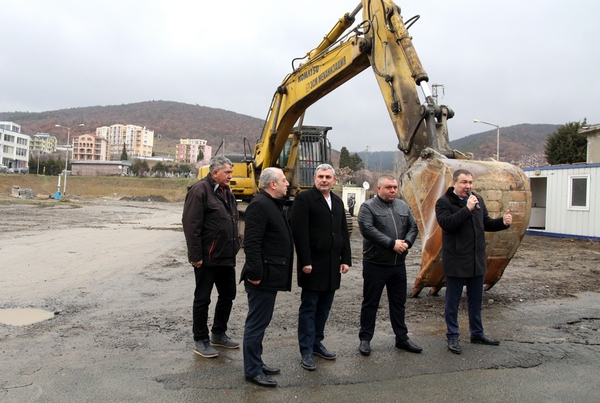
67 157
497 136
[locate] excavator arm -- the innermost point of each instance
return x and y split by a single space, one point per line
321 73
381 41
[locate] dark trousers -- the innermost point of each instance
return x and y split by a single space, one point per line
260 311
376 277
312 316
454 287
223 277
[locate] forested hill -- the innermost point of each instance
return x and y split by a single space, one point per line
170 121
515 141
519 143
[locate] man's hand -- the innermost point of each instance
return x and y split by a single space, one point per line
472 202
507 218
400 246
254 282
197 264
307 269
344 268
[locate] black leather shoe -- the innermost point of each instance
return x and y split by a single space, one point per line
364 348
270 370
454 346
262 380
308 362
484 340
322 352
408 345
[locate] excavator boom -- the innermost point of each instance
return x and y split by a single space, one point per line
381 41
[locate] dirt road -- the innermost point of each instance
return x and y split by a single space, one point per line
115 274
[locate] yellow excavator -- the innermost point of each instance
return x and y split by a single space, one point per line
305 148
381 41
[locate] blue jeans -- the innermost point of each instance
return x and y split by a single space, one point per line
454 287
223 277
260 311
312 316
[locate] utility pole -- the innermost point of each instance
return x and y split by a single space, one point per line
434 89
66 157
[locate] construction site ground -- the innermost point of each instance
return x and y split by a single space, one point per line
114 274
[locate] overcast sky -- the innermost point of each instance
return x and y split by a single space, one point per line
504 62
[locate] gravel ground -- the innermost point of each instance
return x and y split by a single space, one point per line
116 276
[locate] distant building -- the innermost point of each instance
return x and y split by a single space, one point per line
138 141
593 143
100 168
89 147
43 143
189 149
14 146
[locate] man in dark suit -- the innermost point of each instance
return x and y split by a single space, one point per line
323 250
269 249
463 217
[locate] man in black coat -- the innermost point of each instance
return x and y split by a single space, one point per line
463 218
269 249
210 224
323 249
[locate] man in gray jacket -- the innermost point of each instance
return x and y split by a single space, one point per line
389 230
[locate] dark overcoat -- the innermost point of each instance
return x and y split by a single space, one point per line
268 245
463 237
321 238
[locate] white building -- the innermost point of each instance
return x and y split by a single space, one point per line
14 146
359 194
138 140
43 143
566 198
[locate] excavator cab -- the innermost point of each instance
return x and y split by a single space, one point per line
307 147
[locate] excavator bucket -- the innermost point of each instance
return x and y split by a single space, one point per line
502 185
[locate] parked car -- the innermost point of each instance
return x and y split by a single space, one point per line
4 169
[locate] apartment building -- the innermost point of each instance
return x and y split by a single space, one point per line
14 146
89 147
189 149
138 141
43 143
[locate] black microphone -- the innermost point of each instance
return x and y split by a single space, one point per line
477 206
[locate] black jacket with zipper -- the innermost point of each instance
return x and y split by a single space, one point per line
381 223
210 224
